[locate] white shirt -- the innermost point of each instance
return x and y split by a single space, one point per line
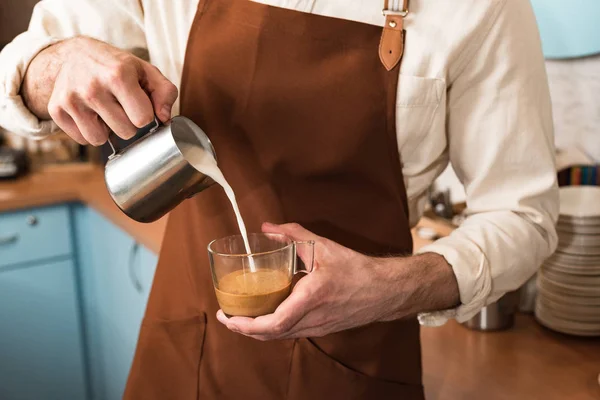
473 90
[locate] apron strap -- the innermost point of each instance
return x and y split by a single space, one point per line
394 5
391 45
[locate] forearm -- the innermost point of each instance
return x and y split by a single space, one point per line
493 253
419 283
52 22
39 79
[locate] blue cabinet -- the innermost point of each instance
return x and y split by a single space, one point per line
73 292
41 345
41 353
35 234
116 276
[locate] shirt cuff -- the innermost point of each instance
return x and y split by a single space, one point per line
473 275
15 58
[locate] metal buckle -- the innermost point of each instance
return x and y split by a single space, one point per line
402 13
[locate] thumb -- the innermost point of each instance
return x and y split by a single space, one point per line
162 92
294 231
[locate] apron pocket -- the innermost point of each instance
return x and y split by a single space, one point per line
315 375
167 362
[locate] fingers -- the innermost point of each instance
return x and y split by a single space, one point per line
92 128
282 323
111 112
66 123
99 87
306 251
272 326
124 83
162 92
294 231
77 120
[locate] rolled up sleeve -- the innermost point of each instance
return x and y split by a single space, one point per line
501 146
117 22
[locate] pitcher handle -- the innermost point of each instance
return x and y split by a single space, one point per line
151 127
308 267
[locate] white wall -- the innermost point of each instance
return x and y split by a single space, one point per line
575 88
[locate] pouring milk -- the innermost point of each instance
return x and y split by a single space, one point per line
204 162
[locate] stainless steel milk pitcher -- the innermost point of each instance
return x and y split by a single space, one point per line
150 177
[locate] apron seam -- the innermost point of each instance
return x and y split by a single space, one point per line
392 87
289 374
201 11
203 343
203 5
252 78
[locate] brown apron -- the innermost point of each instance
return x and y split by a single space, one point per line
301 113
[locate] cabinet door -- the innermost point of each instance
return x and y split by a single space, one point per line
116 277
41 353
34 235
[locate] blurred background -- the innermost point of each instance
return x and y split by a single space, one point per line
75 273
571 41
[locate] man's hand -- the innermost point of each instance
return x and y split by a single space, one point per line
347 289
87 86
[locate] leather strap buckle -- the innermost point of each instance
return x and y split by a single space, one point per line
391 45
402 13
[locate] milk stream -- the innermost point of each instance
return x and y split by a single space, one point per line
204 162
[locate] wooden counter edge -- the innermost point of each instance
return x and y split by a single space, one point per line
82 183
85 183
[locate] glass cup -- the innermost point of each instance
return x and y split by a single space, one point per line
255 284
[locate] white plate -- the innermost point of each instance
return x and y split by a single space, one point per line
567 298
571 317
572 279
550 316
570 313
580 201
558 326
578 250
569 227
572 269
589 222
575 259
568 331
580 310
565 288
578 239
578 313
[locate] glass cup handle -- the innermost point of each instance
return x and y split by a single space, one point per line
308 267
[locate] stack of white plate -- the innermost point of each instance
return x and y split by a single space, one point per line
568 298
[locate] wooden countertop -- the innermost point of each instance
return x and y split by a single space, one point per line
526 362
523 363
85 183
76 182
